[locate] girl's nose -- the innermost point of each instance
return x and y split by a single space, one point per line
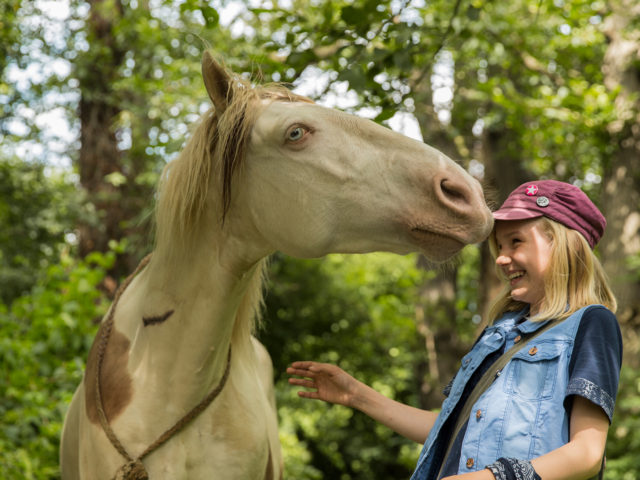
502 260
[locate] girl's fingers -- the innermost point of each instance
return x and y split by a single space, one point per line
299 372
314 367
304 364
302 382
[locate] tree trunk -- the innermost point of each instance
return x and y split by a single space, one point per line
99 155
503 173
436 313
435 317
621 196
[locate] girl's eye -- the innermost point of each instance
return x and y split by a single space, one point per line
296 134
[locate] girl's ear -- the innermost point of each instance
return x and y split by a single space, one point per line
217 82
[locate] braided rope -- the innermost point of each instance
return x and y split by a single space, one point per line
102 346
193 413
133 469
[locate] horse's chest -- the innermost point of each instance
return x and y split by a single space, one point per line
230 439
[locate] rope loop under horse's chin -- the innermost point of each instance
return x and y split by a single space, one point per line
134 468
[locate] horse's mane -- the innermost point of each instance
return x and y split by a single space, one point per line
210 159
195 190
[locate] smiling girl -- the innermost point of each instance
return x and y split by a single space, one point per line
535 395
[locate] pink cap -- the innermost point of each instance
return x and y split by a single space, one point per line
559 201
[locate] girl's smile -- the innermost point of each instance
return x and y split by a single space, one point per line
515 276
523 256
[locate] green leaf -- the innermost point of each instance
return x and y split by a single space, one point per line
351 15
116 179
385 114
354 76
211 16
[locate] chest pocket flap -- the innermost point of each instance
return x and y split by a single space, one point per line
533 371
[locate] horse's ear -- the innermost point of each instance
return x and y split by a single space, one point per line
217 82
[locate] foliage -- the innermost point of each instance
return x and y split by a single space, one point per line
155 86
529 67
358 312
623 443
39 208
127 69
44 339
9 49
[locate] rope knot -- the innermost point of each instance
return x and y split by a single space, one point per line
133 470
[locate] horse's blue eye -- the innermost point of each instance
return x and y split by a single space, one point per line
296 134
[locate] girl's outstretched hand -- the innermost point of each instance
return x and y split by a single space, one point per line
332 384
326 382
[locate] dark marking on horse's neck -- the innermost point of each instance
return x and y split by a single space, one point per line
115 381
154 320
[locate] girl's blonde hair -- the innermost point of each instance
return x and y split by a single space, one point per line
574 278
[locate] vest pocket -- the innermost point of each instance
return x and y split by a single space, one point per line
532 371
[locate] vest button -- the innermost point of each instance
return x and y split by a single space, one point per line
533 350
517 339
478 414
470 462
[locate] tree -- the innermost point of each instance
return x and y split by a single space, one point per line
621 194
99 158
125 77
137 62
9 51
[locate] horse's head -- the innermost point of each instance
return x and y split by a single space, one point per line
319 181
308 180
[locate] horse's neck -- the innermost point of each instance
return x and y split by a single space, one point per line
180 322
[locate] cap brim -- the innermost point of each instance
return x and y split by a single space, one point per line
515 214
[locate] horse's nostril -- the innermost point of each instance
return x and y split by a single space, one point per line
454 192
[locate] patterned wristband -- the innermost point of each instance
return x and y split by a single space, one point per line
498 470
513 469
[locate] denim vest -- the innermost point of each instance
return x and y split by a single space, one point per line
521 415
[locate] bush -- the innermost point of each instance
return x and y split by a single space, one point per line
44 339
357 311
623 443
37 206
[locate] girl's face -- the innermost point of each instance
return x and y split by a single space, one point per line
523 256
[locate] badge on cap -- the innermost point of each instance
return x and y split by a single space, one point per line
532 190
542 201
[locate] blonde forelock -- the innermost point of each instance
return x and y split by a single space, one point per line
212 158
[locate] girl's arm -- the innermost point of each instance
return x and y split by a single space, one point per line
332 384
582 457
579 459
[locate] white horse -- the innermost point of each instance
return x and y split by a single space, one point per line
265 170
